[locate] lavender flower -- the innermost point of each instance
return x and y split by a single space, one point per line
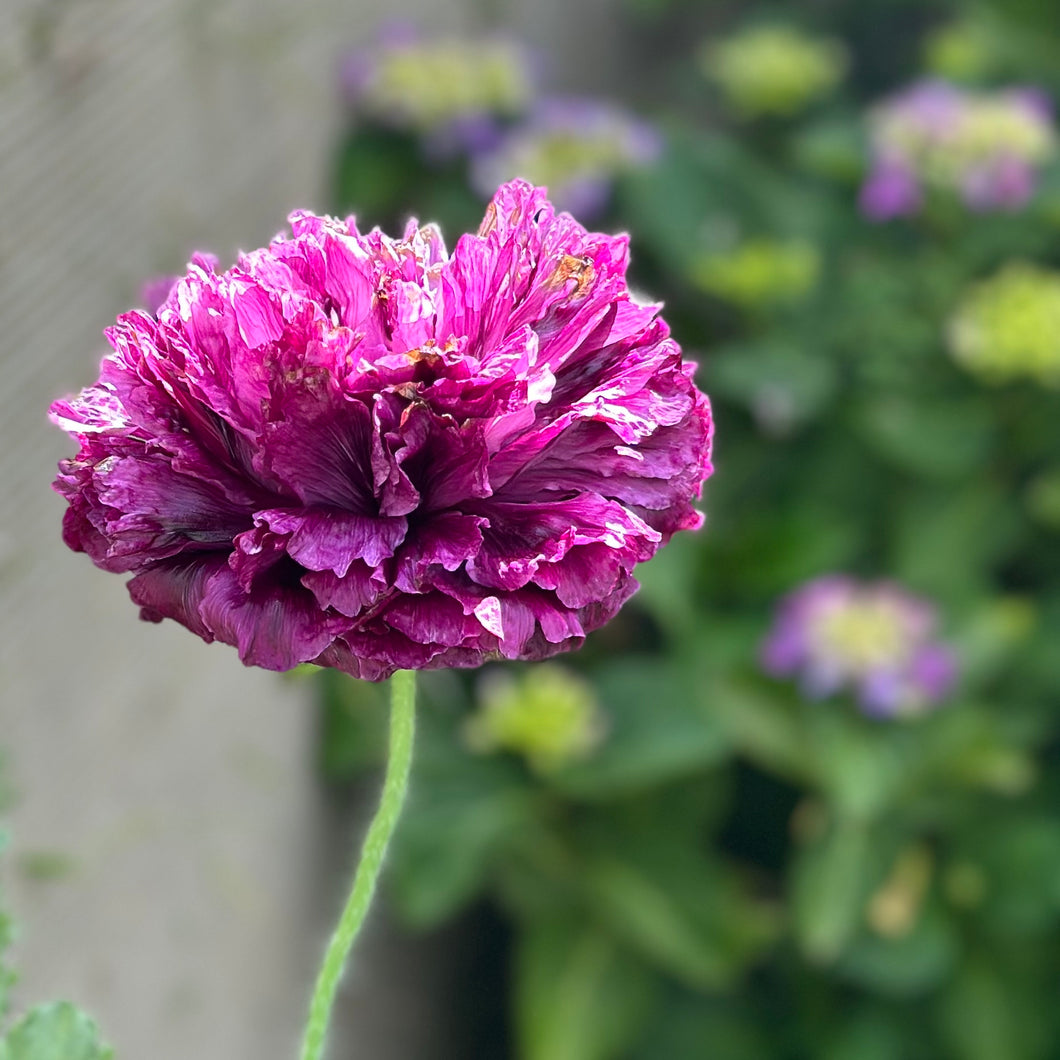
368 453
575 146
872 638
986 147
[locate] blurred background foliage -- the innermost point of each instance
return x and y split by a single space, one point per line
675 854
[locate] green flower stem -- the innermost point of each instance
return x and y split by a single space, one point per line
399 760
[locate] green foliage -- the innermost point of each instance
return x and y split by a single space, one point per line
578 994
7 976
54 1032
727 869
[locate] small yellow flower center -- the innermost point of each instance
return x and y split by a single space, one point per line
865 636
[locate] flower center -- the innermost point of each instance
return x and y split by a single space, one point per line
862 636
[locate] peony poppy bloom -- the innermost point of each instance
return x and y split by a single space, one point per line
368 453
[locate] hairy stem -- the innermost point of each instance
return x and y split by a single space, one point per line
402 728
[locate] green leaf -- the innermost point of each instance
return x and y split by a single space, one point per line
832 148
782 385
856 762
1023 867
644 911
463 811
54 1032
866 1035
578 994
353 725
667 591
933 439
990 635
669 900
376 175
830 885
945 539
979 1017
910 965
658 732
761 725
695 1028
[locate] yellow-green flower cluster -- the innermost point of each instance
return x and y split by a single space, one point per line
548 715
761 272
773 69
423 83
1008 326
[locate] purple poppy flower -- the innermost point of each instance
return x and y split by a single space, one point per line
875 639
371 454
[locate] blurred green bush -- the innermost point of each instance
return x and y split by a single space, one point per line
693 860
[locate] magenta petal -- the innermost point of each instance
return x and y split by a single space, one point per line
433 618
585 574
275 627
327 539
522 537
257 551
447 541
175 589
360 587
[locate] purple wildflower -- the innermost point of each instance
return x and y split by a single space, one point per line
371 454
985 147
891 190
575 146
872 638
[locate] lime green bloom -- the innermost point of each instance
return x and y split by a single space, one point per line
1008 326
420 84
773 69
548 715
761 272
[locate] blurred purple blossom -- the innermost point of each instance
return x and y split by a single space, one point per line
986 147
372 454
576 147
874 639
892 190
